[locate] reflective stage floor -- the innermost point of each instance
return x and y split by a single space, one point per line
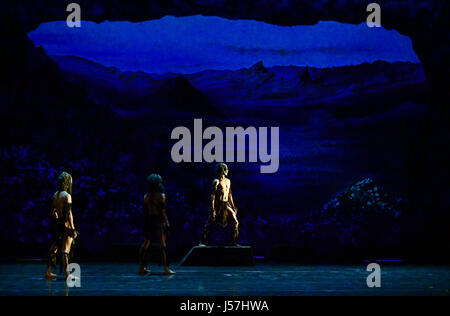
27 278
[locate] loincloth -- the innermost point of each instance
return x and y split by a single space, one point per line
60 231
152 225
222 213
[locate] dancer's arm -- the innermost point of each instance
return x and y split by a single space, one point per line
54 212
164 210
71 225
213 196
230 198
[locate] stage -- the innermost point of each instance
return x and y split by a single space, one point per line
27 278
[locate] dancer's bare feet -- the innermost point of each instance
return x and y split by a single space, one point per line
167 271
143 271
50 276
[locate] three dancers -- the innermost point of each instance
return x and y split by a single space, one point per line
156 224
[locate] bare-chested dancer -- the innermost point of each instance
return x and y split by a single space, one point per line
64 230
222 205
155 222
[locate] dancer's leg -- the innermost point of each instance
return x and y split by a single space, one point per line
234 225
143 257
163 246
207 228
51 261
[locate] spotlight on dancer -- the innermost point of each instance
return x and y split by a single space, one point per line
222 209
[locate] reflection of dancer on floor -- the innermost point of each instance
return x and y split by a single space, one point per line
156 223
63 229
222 205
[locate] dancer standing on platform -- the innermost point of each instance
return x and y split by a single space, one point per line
222 209
156 223
64 231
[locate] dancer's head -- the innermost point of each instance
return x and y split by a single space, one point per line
221 170
154 183
65 182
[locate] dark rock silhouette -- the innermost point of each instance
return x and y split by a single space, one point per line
258 68
305 76
126 90
254 77
178 93
108 85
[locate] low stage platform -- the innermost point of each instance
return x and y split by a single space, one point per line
27 278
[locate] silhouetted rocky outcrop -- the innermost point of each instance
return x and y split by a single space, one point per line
259 72
133 90
258 68
252 78
305 76
178 93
